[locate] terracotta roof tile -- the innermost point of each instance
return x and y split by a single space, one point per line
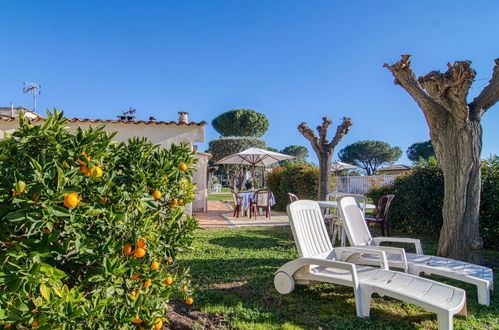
111 121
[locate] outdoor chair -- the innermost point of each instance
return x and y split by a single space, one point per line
332 216
261 200
238 203
292 197
381 214
414 263
319 262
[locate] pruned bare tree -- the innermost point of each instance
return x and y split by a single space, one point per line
456 136
324 149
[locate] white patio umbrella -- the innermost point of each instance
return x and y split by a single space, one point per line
254 157
338 166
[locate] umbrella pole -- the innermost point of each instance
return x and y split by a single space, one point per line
253 175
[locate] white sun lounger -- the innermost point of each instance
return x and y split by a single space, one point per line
318 262
414 263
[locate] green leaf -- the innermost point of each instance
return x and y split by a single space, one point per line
45 291
59 211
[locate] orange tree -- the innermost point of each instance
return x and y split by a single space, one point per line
89 228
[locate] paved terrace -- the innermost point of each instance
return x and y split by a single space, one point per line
219 215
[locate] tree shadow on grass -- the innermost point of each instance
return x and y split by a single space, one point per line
247 242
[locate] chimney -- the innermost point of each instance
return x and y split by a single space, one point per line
183 117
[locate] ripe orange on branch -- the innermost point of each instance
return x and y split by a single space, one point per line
81 162
71 200
95 171
148 283
168 281
154 265
127 249
189 301
157 194
141 243
137 320
183 167
158 324
139 252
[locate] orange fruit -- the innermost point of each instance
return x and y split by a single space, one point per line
133 295
157 194
180 201
14 193
189 301
127 249
139 252
154 265
35 196
168 281
7 325
135 277
84 170
148 283
34 324
183 167
175 201
169 260
34 310
141 243
96 171
158 324
137 320
46 231
81 162
71 200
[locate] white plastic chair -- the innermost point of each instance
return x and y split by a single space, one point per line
319 262
359 235
332 215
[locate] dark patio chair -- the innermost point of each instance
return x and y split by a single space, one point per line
238 203
381 214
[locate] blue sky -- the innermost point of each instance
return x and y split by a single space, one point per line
292 60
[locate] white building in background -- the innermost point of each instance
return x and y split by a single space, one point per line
158 132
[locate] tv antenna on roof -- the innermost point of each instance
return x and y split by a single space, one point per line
34 88
130 111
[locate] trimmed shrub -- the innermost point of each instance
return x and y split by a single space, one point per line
219 148
298 177
241 122
90 229
417 207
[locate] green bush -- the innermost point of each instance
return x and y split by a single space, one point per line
90 229
219 148
298 177
489 206
417 207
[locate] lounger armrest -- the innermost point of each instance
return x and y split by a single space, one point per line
294 265
359 250
392 250
417 243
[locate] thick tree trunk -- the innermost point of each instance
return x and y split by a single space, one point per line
324 174
459 156
456 135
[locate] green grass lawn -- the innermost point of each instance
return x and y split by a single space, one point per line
219 197
233 269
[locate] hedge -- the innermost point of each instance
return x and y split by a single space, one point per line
298 177
417 207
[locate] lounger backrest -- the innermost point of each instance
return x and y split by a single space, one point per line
354 222
309 230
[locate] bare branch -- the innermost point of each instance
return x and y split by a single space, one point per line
322 129
489 95
341 130
309 134
450 89
405 77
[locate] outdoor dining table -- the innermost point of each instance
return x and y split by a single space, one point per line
333 205
248 195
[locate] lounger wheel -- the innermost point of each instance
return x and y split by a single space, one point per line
284 283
